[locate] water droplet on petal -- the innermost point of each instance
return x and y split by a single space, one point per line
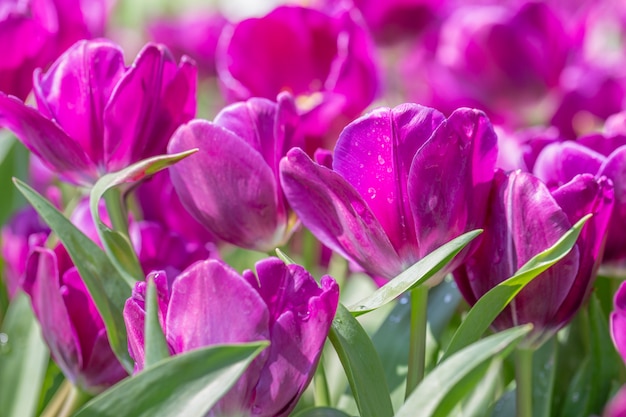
381 160
372 192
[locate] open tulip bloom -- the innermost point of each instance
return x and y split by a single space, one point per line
87 121
403 182
281 303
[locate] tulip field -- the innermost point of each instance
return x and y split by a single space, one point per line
323 208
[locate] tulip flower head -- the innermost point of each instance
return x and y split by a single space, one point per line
523 219
281 303
404 181
231 184
95 115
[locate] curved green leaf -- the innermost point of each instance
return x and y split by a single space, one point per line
361 364
185 385
106 286
495 300
155 344
321 412
458 374
116 242
415 275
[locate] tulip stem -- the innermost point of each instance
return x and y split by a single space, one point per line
57 400
116 210
524 381
322 394
417 341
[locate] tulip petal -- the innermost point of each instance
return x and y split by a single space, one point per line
581 196
76 89
300 317
227 186
450 179
42 284
374 155
558 163
618 321
45 139
167 94
614 168
337 214
200 314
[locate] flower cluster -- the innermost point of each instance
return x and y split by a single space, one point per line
357 140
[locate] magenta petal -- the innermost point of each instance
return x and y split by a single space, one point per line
42 284
337 215
227 186
558 163
374 154
450 179
167 95
618 321
46 140
614 168
76 89
301 314
200 314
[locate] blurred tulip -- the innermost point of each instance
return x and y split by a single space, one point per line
35 32
618 321
231 184
88 120
617 406
326 61
523 219
282 304
404 182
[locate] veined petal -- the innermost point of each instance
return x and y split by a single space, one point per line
227 186
337 214
47 140
167 96
450 179
200 314
374 154
76 89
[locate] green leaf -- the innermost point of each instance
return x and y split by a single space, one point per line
116 242
321 412
284 257
415 275
155 344
544 372
480 317
184 385
106 286
361 364
23 360
457 376
13 163
577 398
480 402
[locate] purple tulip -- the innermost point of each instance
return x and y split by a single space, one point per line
21 233
35 32
617 406
231 185
193 35
525 218
89 121
404 182
597 154
325 61
503 59
282 304
618 321
71 325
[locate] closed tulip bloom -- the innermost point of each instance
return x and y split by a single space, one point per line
524 218
95 115
231 184
404 181
600 154
281 303
325 60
